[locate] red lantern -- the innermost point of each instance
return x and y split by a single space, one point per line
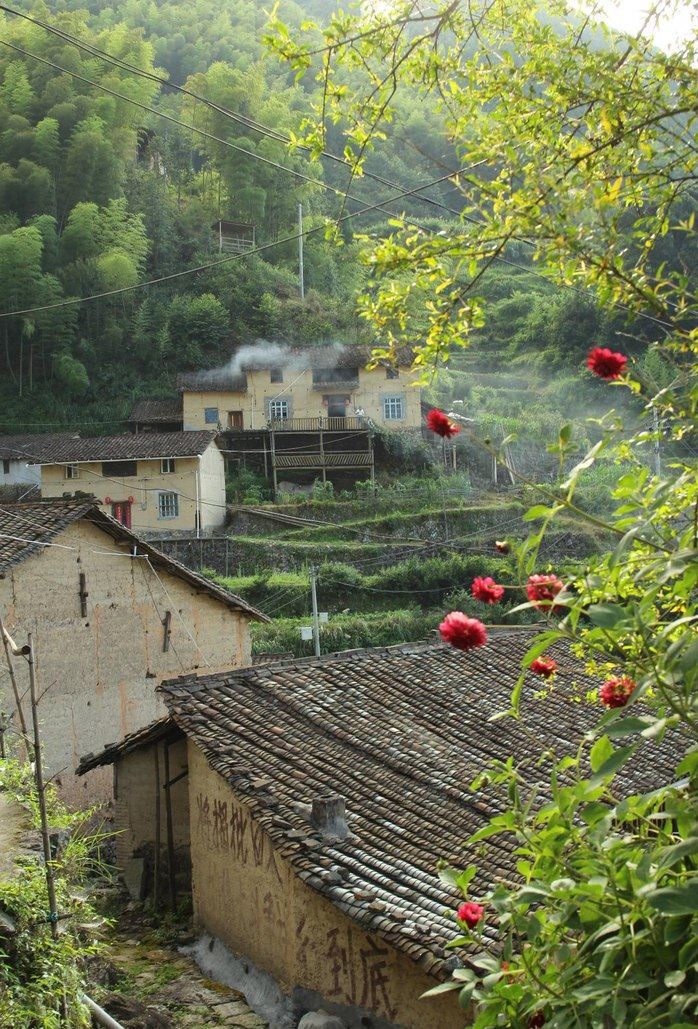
107 500
130 500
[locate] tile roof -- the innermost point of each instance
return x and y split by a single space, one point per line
129 447
153 409
218 379
25 446
399 732
25 529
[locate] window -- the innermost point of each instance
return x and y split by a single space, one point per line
276 375
278 409
5 467
167 465
72 471
392 373
211 415
393 408
168 505
120 468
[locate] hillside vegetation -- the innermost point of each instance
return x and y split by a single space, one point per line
98 194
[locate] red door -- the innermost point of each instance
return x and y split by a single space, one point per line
121 510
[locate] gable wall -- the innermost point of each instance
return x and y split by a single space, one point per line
248 896
100 672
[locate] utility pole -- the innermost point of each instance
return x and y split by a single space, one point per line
316 619
301 275
40 790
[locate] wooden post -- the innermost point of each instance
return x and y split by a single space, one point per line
156 863
273 461
322 454
83 594
167 627
15 690
170 831
2 735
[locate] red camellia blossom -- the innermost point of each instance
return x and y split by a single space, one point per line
536 1020
471 913
486 590
542 590
616 691
441 424
463 632
545 666
607 364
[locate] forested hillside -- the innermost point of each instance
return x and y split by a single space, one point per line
99 194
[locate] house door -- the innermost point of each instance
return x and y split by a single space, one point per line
121 510
235 419
337 406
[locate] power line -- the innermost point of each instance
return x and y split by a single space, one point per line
258 126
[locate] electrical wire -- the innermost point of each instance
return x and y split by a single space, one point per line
94 51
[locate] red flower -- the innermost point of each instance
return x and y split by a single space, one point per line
542 590
439 423
536 1020
471 913
616 691
502 546
607 364
487 590
463 632
545 666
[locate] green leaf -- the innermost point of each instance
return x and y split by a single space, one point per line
608 616
675 900
613 764
627 726
540 645
678 852
675 978
441 988
600 753
538 511
688 955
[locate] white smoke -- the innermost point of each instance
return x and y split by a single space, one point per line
263 354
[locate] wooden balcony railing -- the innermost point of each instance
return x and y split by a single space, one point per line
349 459
327 424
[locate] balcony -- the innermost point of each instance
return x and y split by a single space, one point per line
326 424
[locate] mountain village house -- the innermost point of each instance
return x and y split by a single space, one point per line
316 798
322 384
152 482
111 617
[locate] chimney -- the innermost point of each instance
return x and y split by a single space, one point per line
328 814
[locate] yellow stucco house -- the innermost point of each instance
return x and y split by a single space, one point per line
154 482
111 617
301 388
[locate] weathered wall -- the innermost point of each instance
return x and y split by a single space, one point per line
100 672
138 777
306 401
18 472
250 898
145 486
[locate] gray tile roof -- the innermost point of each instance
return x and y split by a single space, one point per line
399 732
128 447
24 446
26 528
153 409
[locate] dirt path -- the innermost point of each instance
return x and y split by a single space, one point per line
14 822
150 984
